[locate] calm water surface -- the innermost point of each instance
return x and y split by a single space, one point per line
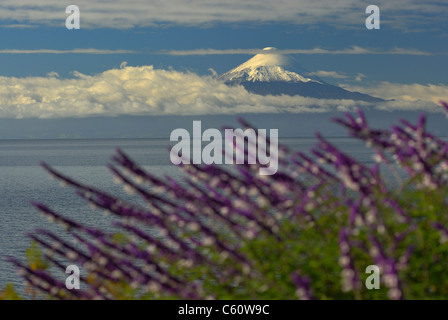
22 180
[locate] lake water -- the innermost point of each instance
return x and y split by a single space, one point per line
23 180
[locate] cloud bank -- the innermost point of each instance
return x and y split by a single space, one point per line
145 90
405 92
401 14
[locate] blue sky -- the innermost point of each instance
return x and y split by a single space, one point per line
148 44
410 49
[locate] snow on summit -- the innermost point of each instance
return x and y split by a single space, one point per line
265 67
265 74
268 59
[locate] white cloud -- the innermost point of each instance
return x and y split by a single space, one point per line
348 51
329 74
352 50
403 14
54 51
213 72
18 26
409 93
339 75
143 91
148 91
360 77
53 74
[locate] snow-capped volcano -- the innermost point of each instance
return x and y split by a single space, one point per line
267 66
266 74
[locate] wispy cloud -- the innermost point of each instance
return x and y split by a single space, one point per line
354 50
405 92
358 77
148 91
54 51
329 74
401 14
18 26
349 51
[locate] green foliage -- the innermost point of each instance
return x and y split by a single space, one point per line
9 293
309 232
35 258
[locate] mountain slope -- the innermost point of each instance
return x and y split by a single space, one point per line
265 67
265 74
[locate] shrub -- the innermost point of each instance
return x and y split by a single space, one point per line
309 231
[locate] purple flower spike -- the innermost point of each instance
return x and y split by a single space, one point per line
219 232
